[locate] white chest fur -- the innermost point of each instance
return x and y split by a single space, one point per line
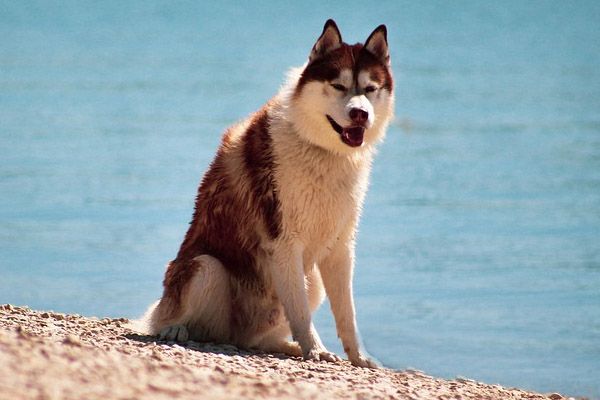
320 193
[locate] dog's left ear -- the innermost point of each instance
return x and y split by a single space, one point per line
330 39
378 45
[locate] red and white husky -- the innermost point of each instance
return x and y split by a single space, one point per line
276 214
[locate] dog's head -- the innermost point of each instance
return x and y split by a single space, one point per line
343 99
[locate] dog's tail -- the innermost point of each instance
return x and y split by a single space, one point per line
144 325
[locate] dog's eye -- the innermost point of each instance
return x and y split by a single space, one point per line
339 87
370 89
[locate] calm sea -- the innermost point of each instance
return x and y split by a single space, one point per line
479 247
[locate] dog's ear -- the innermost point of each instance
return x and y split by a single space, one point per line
329 40
377 43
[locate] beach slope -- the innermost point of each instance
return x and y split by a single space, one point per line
46 355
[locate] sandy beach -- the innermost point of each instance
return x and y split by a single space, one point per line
47 355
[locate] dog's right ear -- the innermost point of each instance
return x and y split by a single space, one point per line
330 39
377 44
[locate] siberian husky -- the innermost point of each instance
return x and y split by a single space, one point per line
276 213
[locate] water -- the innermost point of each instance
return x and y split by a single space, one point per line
479 248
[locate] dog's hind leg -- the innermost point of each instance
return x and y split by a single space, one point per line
204 313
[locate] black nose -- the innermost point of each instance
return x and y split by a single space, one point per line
359 116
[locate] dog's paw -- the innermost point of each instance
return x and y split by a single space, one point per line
364 362
321 354
283 347
290 348
176 333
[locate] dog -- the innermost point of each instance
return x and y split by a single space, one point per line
276 213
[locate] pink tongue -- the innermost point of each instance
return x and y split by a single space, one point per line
353 136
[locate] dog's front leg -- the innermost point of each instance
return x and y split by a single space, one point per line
336 271
287 272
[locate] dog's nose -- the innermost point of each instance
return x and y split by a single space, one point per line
359 116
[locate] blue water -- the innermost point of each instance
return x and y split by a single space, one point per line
479 248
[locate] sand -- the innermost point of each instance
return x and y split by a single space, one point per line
46 355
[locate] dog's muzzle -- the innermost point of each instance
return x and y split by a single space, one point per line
353 135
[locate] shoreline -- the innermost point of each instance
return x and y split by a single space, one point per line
49 355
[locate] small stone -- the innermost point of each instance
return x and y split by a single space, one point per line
45 315
462 379
72 340
157 355
58 317
219 369
24 333
414 371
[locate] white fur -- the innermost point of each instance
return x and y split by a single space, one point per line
307 114
322 188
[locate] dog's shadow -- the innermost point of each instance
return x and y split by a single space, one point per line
211 347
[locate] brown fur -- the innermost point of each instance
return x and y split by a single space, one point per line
222 224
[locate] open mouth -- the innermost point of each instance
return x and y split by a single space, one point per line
353 136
